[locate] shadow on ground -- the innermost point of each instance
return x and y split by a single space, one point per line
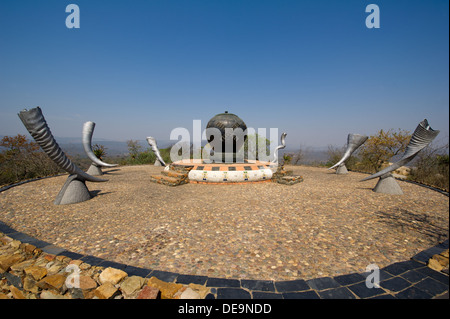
421 223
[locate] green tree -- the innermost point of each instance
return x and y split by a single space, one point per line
21 159
431 166
133 148
380 148
99 151
287 159
335 154
252 145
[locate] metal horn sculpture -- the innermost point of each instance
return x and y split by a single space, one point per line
152 142
422 136
97 164
283 145
74 189
354 141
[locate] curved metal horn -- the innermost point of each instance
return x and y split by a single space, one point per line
152 142
354 141
36 125
88 130
422 136
283 145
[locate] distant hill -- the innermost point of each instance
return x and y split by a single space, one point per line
74 146
310 155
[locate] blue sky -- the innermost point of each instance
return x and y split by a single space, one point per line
309 68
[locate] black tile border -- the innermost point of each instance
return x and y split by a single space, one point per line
395 284
360 290
443 192
136 271
410 279
336 293
291 286
345 280
223 282
191 279
4 188
258 285
233 293
323 283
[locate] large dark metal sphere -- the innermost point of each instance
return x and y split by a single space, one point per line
228 120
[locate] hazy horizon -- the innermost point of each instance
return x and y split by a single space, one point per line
312 69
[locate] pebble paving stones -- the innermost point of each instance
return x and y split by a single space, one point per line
20 262
310 240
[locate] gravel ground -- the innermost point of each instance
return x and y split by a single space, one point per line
327 225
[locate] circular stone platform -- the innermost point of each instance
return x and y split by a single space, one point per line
326 226
249 171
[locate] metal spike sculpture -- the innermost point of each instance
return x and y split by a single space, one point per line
74 189
152 142
354 141
97 164
422 136
283 145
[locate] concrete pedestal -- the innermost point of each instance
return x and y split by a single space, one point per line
388 185
73 191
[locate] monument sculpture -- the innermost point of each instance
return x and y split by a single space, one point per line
224 160
280 175
422 136
283 145
354 141
152 142
97 164
225 123
74 189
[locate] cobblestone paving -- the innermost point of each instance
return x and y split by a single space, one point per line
325 227
21 261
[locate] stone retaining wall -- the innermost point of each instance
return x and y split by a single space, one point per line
26 272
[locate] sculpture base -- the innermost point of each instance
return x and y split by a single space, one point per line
226 158
388 185
226 173
95 170
73 191
341 170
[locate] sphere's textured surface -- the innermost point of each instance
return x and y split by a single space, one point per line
228 120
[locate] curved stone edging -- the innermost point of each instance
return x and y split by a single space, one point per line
426 186
411 182
4 188
409 279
